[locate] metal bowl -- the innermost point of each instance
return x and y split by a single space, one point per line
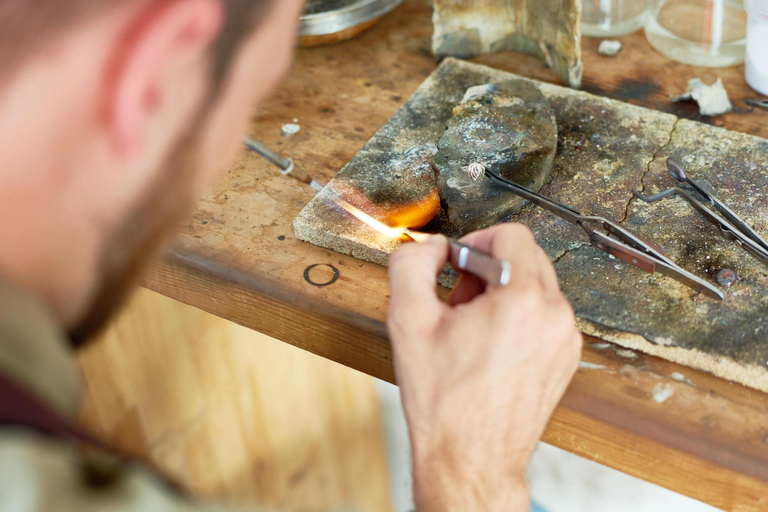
329 21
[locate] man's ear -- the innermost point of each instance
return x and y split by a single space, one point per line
162 35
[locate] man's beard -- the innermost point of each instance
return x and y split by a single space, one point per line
131 247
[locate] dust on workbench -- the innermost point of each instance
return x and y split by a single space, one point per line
606 149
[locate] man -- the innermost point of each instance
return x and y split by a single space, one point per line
114 117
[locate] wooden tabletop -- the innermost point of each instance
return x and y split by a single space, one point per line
237 258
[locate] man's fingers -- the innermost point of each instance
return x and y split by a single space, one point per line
467 288
548 274
515 244
412 272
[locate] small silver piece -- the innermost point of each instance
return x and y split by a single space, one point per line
609 48
290 129
476 170
726 277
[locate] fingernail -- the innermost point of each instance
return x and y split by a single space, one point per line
436 240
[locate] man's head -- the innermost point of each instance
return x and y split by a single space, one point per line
114 117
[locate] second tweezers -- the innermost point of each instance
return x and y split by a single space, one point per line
731 226
614 239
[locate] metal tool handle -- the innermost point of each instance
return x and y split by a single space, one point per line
464 258
757 102
649 264
623 252
286 165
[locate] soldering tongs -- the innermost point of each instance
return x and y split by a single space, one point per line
701 197
614 239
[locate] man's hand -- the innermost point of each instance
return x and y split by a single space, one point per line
481 374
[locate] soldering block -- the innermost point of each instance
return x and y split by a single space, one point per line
587 127
606 149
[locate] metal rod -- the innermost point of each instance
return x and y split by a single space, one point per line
286 165
757 102
262 149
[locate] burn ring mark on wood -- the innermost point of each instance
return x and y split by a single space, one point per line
308 277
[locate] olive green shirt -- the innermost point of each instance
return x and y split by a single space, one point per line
41 473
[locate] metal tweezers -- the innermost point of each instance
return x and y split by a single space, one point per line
757 102
616 240
701 197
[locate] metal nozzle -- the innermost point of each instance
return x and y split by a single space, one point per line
286 165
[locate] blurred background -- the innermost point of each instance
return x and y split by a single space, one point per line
241 417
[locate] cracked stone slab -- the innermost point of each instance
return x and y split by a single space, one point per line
606 149
548 29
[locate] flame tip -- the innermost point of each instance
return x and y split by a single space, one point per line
388 231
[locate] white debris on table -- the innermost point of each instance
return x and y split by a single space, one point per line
662 392
291 129
609 47
712 99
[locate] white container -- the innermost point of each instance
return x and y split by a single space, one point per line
756 70
708 33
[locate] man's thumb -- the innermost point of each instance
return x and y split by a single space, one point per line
412 272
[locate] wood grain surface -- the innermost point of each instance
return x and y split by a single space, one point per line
237 258
234 415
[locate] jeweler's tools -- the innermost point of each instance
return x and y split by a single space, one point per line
700 196
757 102
462 257
286 165
616 240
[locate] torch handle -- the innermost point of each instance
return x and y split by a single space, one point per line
464 258
286 165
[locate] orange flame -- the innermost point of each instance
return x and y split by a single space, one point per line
370 221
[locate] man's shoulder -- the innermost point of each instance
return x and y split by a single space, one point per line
39 473
34 350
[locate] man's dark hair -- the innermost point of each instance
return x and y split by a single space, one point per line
25 26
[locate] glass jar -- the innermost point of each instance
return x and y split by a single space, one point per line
756 71
709 33
610 18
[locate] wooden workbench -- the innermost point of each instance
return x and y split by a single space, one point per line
238 258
